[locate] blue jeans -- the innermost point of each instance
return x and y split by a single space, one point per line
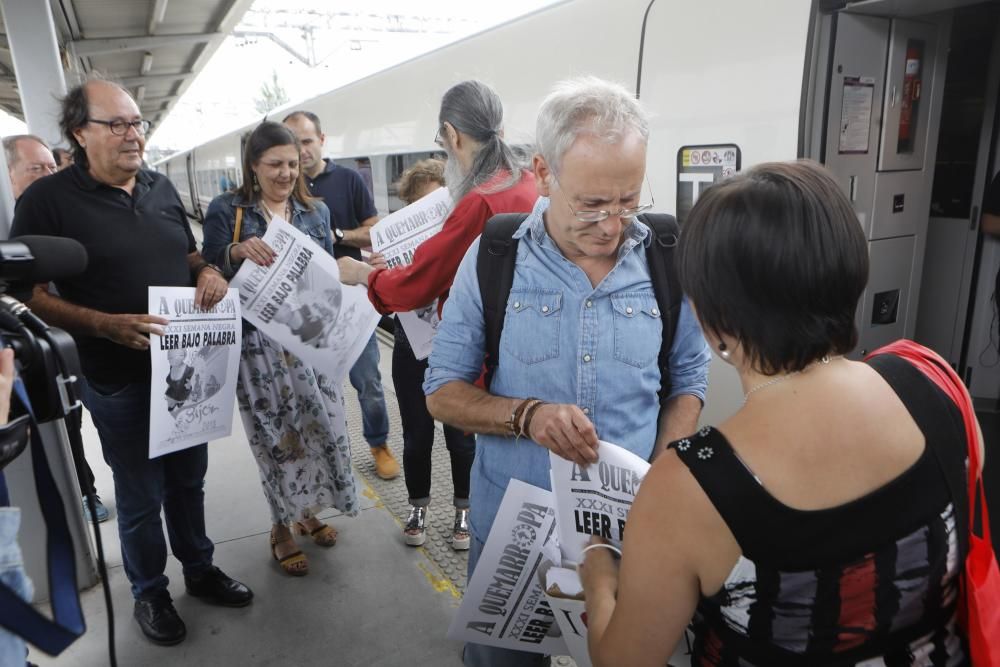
478 655
12 648
367 381
174 482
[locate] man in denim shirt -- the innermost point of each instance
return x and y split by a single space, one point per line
582 329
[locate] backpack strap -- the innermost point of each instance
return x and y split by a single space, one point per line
495 269
666 286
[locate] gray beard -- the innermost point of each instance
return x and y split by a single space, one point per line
454 178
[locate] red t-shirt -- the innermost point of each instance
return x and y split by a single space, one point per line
436 260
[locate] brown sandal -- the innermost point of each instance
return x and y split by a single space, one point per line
324 535
296 564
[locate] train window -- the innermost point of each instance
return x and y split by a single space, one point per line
362 165
396 165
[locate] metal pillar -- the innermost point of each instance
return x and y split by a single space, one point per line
35 51
40 79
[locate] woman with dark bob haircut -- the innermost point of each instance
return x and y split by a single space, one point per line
814 526
293 416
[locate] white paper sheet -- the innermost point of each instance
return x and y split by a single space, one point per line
397 236
194 367
504 604
594 499
300 303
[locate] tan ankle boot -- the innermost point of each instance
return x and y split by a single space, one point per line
386 465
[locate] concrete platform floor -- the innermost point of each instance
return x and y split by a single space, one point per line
370 600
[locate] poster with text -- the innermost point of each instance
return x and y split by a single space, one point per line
397 236
194 368
504 603
299 302
594 499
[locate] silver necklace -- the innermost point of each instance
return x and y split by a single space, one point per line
782 378
762 385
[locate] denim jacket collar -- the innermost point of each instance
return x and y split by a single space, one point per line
534 225
242 202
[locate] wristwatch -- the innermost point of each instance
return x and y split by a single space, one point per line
338 235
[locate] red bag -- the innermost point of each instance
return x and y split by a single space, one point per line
980 615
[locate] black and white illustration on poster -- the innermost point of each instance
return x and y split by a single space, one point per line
299 302
504 603
194 362
397 236
595 499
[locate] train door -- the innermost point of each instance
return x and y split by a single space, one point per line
957 316
193 186
881 118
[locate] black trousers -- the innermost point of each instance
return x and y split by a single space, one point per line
418 430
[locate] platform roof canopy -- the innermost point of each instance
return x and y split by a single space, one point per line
155 48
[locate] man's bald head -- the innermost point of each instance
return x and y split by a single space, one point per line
97 118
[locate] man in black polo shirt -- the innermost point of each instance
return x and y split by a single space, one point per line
352 213
133 225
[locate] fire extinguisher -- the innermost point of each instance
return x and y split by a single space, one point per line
911 94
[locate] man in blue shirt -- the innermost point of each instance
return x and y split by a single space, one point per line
352 214
582 330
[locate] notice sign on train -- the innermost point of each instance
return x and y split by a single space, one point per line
699 167
856 114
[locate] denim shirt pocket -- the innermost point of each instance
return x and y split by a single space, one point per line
531 326
638 328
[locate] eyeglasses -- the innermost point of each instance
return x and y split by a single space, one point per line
438 137
626 214
120 127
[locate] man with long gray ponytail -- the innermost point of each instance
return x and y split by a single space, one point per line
486 176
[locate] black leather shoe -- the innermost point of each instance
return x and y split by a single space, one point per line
159 621
217 588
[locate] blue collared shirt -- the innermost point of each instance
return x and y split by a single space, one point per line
565 341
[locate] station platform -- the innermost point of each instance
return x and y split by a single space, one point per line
370 600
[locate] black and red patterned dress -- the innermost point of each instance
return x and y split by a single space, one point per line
870 583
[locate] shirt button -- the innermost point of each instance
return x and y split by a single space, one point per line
655 311
628 310
590 304
586 357
586 411
517 304
545 309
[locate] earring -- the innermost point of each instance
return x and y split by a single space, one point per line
724 351
256 185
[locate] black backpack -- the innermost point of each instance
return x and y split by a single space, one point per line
495 268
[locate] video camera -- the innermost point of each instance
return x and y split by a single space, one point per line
46 358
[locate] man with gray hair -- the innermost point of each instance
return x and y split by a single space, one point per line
486 176
28 159
133 225
582 330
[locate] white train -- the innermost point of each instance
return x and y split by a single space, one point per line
863 87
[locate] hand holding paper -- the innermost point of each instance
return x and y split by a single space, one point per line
353 272
565 431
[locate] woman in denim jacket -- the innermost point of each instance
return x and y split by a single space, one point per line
294 417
